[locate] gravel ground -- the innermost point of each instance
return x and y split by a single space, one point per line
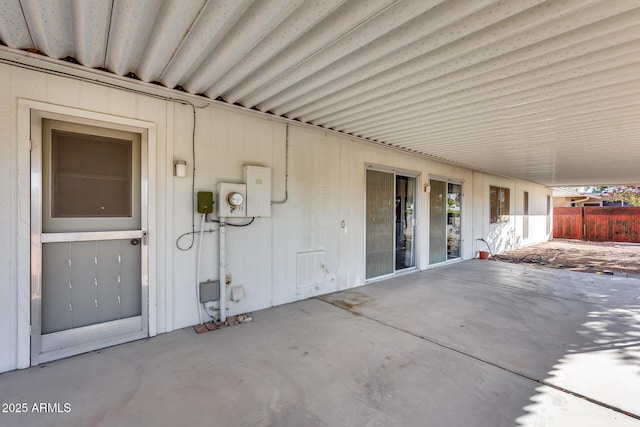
593 257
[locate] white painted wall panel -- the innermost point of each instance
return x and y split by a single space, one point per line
183 295
67 94
8 245
325 187
28 84
504 236
352 213
123 103
159 173
92 97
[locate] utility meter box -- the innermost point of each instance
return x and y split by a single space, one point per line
209 291
205 202
258 180
232 200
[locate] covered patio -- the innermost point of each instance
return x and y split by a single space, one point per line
474 343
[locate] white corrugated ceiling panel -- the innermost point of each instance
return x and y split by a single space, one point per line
545 91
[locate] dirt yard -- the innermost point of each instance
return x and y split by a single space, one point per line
576 255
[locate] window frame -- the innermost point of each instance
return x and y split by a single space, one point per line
499 210
65 175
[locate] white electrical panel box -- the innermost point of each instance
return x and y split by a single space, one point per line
232 200
258 180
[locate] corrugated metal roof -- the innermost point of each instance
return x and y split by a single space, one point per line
546 91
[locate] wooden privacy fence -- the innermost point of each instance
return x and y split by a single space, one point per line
598 224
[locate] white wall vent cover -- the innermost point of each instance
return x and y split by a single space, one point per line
310 269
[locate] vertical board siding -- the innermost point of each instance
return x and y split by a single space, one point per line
598 224
325 210
612 224
567 223
10 212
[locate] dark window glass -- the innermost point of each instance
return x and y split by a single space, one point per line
499 202
91 176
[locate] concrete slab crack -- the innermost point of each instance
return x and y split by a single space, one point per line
481 360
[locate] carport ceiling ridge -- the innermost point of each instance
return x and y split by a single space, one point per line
546 91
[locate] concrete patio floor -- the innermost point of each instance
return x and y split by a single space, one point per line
477 343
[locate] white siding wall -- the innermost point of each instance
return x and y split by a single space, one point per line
509 235
10 227
326 186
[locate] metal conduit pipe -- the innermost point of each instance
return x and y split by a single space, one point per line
286 170
222 268
198 268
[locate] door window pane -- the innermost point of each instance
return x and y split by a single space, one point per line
437 222
454 198
445 221
91 176
405 211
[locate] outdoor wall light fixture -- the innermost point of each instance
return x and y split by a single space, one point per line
180 168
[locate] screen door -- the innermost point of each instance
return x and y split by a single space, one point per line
92 243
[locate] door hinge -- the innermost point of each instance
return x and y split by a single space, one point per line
30 329
31 145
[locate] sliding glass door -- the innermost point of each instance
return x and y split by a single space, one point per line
405 222
380 221
390 223
454 199
445 221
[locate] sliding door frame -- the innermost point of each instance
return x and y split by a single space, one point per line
447 181
395 172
